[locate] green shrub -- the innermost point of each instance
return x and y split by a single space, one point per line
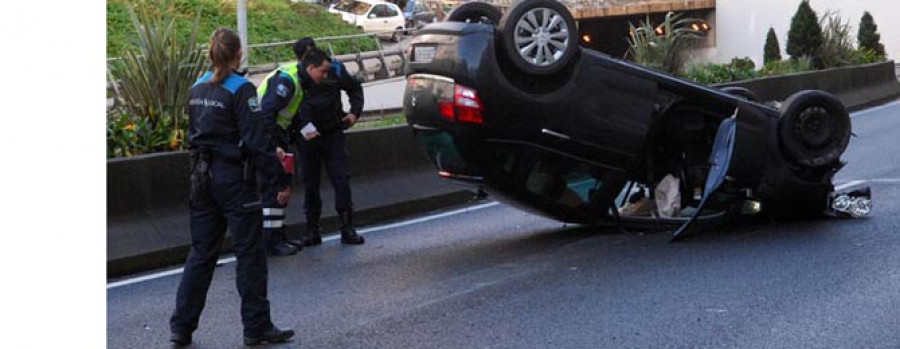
738 69
805 35
662 51
268 21
772 50
791 66
153 81
867 56
869 39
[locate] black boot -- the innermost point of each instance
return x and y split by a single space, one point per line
281 245
283 249
180 339
313 236
275 335
348 233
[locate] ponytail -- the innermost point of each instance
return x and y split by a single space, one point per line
224 48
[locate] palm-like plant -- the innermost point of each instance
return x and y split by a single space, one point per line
154 81
662 47
837 45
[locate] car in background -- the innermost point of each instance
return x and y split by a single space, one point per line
512 104
372 16
417 14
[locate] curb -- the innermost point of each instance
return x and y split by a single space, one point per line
177 255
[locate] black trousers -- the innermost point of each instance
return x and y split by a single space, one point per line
273 215
331 150
233 202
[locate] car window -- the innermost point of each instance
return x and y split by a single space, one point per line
359 8
379 11
390 11
344 5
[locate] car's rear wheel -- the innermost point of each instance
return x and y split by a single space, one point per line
475 12
814 128
539 36
741 92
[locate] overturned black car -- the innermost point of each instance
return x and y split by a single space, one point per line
512 103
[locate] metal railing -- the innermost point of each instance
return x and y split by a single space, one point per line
367 65
359 57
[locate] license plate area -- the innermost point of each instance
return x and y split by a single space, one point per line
423 53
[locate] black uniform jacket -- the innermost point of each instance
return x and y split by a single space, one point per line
226 119
322 103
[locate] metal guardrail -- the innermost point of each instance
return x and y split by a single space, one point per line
367 65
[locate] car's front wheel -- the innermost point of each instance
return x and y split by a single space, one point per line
539 36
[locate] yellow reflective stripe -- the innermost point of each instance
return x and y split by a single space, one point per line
286 115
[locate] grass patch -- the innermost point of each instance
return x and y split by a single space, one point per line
267 21
381 121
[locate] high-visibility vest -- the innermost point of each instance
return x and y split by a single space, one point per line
287 114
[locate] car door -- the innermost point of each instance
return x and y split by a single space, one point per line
378 19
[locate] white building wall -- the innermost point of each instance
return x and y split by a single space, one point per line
741 25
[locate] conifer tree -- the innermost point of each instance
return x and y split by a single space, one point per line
805 36
868 35
772 51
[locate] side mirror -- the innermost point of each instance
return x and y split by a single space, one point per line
371 15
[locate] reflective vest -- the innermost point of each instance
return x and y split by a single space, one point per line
287 114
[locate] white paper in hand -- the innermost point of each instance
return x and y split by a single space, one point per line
307 130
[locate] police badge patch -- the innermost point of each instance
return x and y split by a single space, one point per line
253 103
281 90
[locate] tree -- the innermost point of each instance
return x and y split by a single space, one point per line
805 36
868 35
772 50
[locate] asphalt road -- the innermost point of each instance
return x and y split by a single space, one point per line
495 277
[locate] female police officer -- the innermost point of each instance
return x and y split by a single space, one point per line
228 142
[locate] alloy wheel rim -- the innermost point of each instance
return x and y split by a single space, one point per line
541 36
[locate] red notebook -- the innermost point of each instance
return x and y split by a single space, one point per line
288 162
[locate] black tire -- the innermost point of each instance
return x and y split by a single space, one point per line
395 37
741 92
475 12
814 128
545 55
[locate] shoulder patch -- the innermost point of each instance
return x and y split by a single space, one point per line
281 90
253 104
234 82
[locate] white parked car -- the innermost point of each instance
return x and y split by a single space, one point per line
372 16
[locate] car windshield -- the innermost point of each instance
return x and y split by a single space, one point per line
343 5
358 8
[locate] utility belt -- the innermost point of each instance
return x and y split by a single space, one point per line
205 158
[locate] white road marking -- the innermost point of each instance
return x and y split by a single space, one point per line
847 185
232 259
878 108
851 183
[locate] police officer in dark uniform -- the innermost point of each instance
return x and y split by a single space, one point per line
322 110
227 141
281 96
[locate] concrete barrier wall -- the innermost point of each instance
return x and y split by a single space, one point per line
855 86
149 182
